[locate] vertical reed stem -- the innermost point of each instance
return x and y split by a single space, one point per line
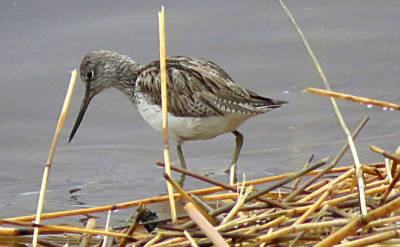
164 100
50 157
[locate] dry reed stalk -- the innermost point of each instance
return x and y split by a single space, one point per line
356 99
386 154
395 163
359 222
164 105
106 228
384 221
6 231
220 197
297 181
357 165
205 226
388 166
50 157
23 231
67 229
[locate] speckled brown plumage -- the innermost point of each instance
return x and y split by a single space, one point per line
200 88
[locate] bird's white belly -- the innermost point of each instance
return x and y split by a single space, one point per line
191 128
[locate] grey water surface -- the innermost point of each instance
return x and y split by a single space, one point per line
112 157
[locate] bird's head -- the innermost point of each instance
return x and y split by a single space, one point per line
100 70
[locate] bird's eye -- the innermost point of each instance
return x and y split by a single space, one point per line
90 74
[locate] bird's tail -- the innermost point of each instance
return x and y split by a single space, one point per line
264 104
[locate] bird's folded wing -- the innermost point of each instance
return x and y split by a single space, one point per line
199 88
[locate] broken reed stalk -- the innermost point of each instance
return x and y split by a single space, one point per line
356 99
164 198
394 163
205 226
106 228
191 240
357 164
52 151
91 224
298 181
6 231
164 103
388 155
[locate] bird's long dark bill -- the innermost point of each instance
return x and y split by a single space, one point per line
84 106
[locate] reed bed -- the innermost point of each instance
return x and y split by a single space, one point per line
242 215
320 205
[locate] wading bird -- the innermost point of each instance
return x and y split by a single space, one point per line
203 100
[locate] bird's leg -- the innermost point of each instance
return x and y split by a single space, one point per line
238 147
182 161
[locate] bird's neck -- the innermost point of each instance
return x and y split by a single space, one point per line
126 83
127 87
